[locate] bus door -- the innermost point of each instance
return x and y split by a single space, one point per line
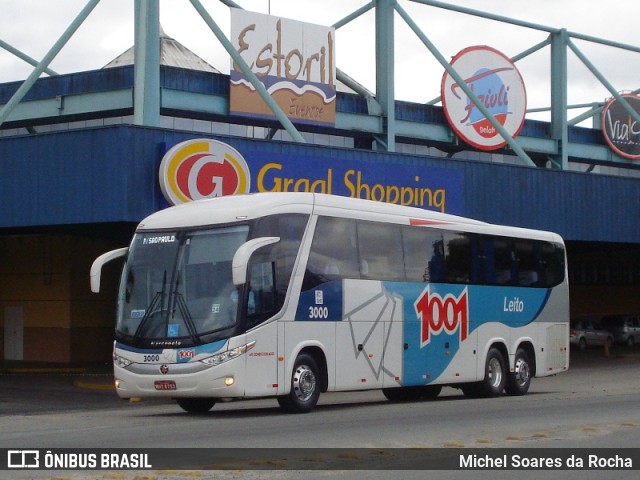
261 304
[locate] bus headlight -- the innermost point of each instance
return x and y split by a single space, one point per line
121 362
228 355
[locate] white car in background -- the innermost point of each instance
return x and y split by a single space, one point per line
624 328
586 333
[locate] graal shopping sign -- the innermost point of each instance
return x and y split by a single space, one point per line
295 61
495 80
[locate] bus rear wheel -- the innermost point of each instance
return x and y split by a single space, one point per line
495 374
196 405
494 377
519 381
305 386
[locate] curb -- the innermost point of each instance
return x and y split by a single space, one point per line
86 378
21 370
81 383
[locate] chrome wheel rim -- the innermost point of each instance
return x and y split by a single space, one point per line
495 372
522 372
304 383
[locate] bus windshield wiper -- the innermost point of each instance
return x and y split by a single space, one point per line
186 315
159 296
178 302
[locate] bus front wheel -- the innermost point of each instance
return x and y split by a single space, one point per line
305 386
196 405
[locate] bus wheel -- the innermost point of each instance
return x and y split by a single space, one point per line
494 374
196 405
519 381
305 386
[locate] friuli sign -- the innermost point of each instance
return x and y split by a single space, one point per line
497 83
295 62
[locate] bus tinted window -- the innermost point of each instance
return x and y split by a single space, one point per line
333 253
504 262
526 255
553 267
420 247
274 261
380 251
457 257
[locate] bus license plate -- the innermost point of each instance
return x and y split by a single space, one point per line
164 385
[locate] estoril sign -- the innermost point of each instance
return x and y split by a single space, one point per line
295 62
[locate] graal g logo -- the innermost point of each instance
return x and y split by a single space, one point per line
23 459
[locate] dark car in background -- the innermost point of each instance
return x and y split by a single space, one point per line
624 328
585 333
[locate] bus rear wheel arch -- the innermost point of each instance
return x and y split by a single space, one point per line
495 376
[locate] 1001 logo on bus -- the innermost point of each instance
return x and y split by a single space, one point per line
448 313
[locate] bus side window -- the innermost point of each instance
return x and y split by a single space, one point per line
271 267
379 251
262 300
502 255
423 254
457 250
487 260
552 264
334 253
527 263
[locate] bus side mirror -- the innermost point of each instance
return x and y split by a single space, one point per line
98 263
243 254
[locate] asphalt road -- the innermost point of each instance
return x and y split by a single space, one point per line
594 405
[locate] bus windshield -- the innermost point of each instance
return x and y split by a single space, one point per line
177 287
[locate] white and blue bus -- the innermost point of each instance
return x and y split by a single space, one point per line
288 295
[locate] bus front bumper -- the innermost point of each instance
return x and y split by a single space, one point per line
173 380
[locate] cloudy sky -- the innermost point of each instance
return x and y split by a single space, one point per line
33 26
